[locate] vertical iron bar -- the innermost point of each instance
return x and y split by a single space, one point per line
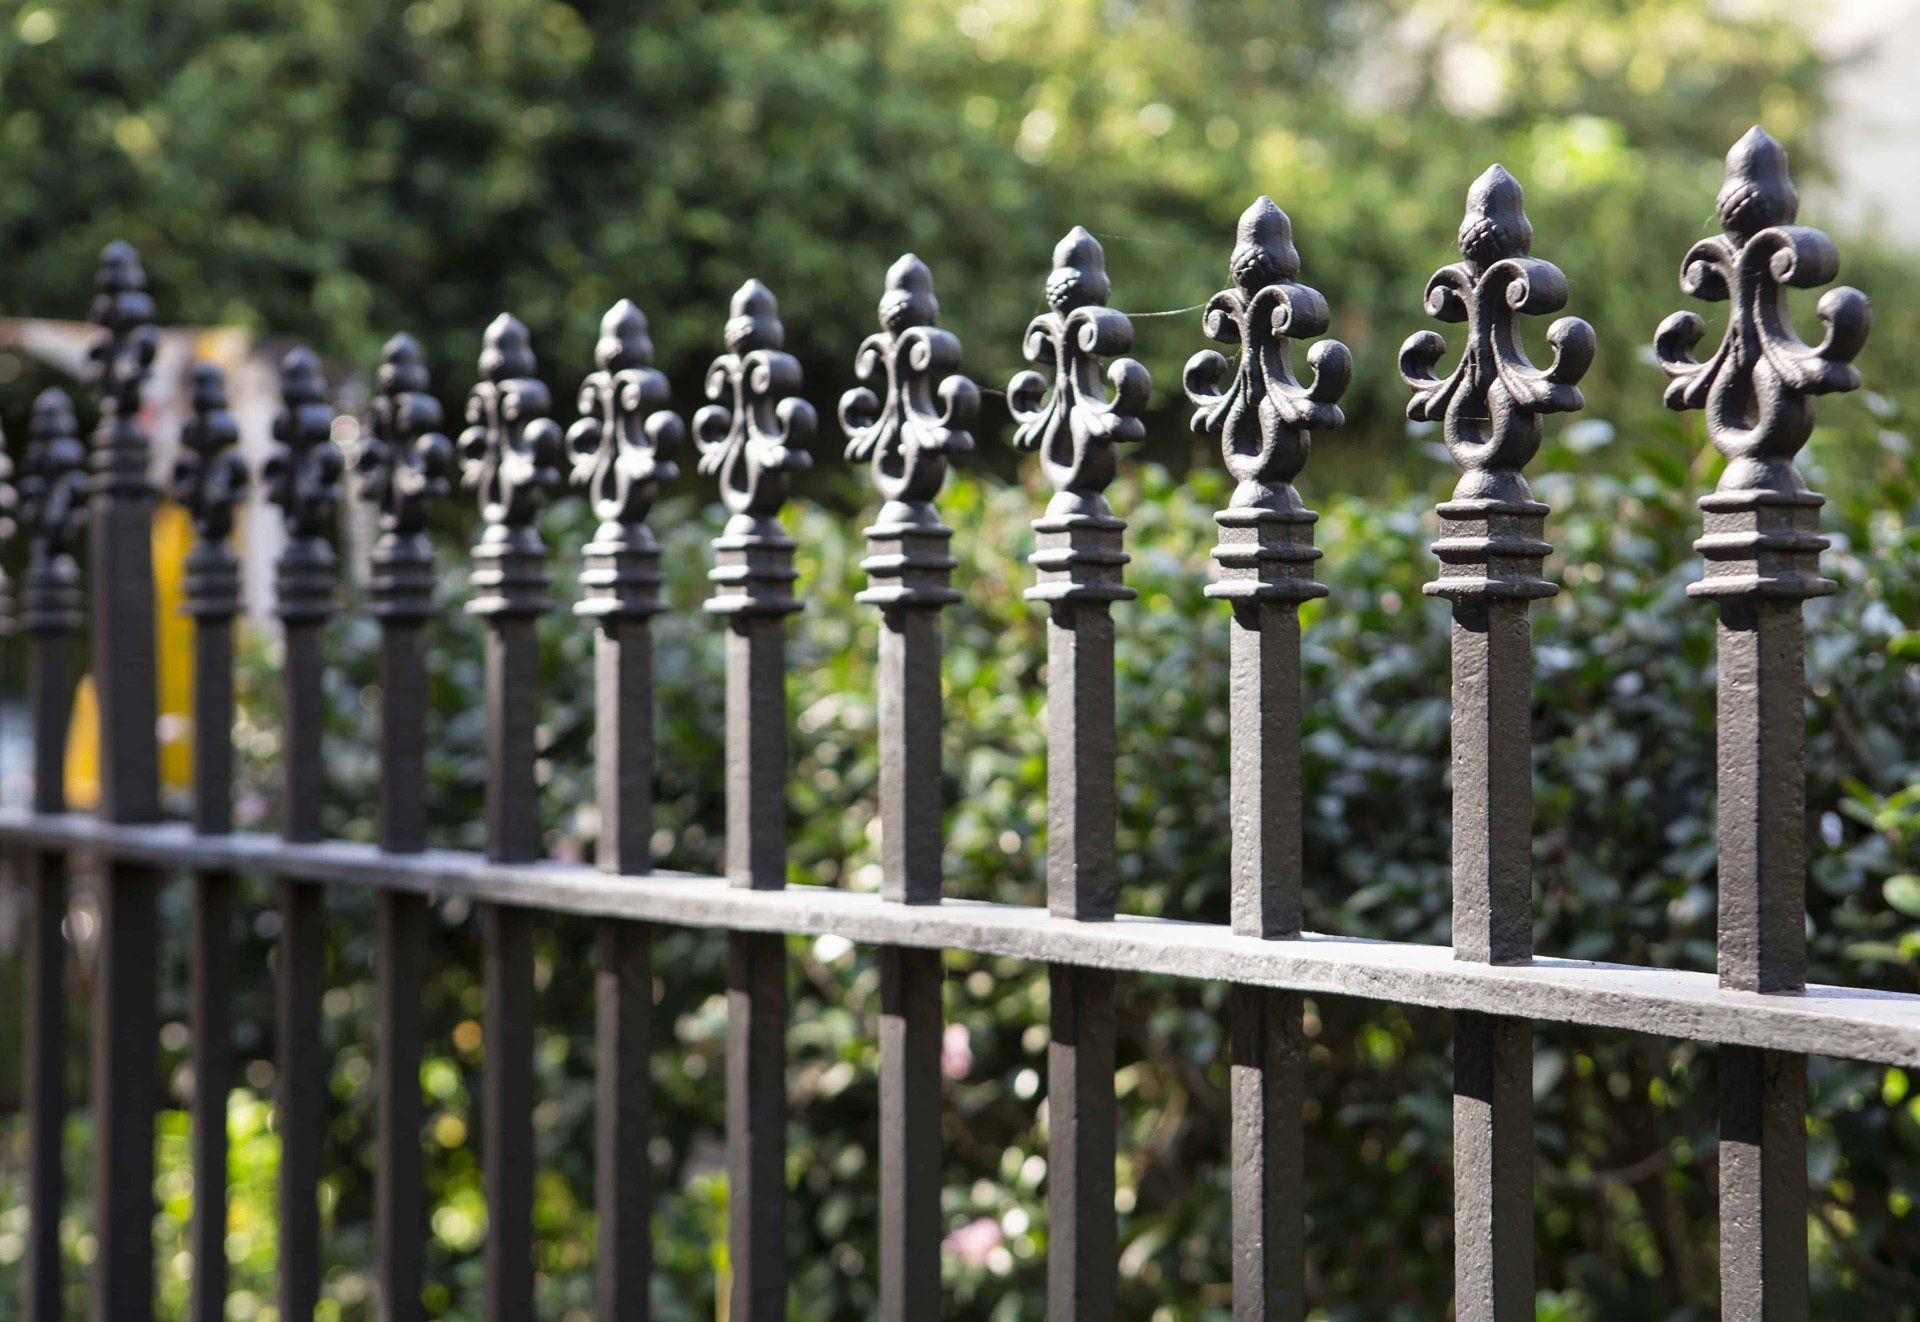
1266 556
757 1125
752 436
302 476
209 477
46 1060
910 1032
404 465
507 1102
1491 558
1266 1090
53 610
623 1115
621 447
400 946
1080 1147
891 423
1060 411
1761 543
125 1018
511 450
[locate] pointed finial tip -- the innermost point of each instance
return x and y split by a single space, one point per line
908 271
1758 191
908 299
1495 226
1263 252
1079 272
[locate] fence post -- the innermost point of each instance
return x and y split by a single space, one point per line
620 450
404 465
209 479
54 511
511 451
1762 547
751 438
1491 556
124 1015
1266 557
302 477
1065 415
893 423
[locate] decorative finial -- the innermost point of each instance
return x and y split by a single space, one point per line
1758 387
53 478
119 364
210 477
302 476
1491 405
911 362
53 508
404 463
1075 427
1263 419
1762 523
1068 419
622 447
753 435
511 453
511 449
626 434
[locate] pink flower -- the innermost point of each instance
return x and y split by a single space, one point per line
956 1052
975 1242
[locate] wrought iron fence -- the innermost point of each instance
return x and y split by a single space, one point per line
1082 401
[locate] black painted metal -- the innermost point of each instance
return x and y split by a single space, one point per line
750 438
209 479
1066 416
404 465
53 510
511 451
1266 556
1762 547
621 453
1491 555
120 502
302 476
892 422
1845 1022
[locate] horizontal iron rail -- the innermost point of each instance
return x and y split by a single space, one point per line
1843 1022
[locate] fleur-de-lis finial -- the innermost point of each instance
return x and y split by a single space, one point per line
1068 418
1757 389
119 364
1263 420
626 433
210 477
754 433
404 463
53 478
1491 405
302 473
910 362
511 449
302 476
53 509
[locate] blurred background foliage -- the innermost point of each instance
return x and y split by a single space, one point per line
337 171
